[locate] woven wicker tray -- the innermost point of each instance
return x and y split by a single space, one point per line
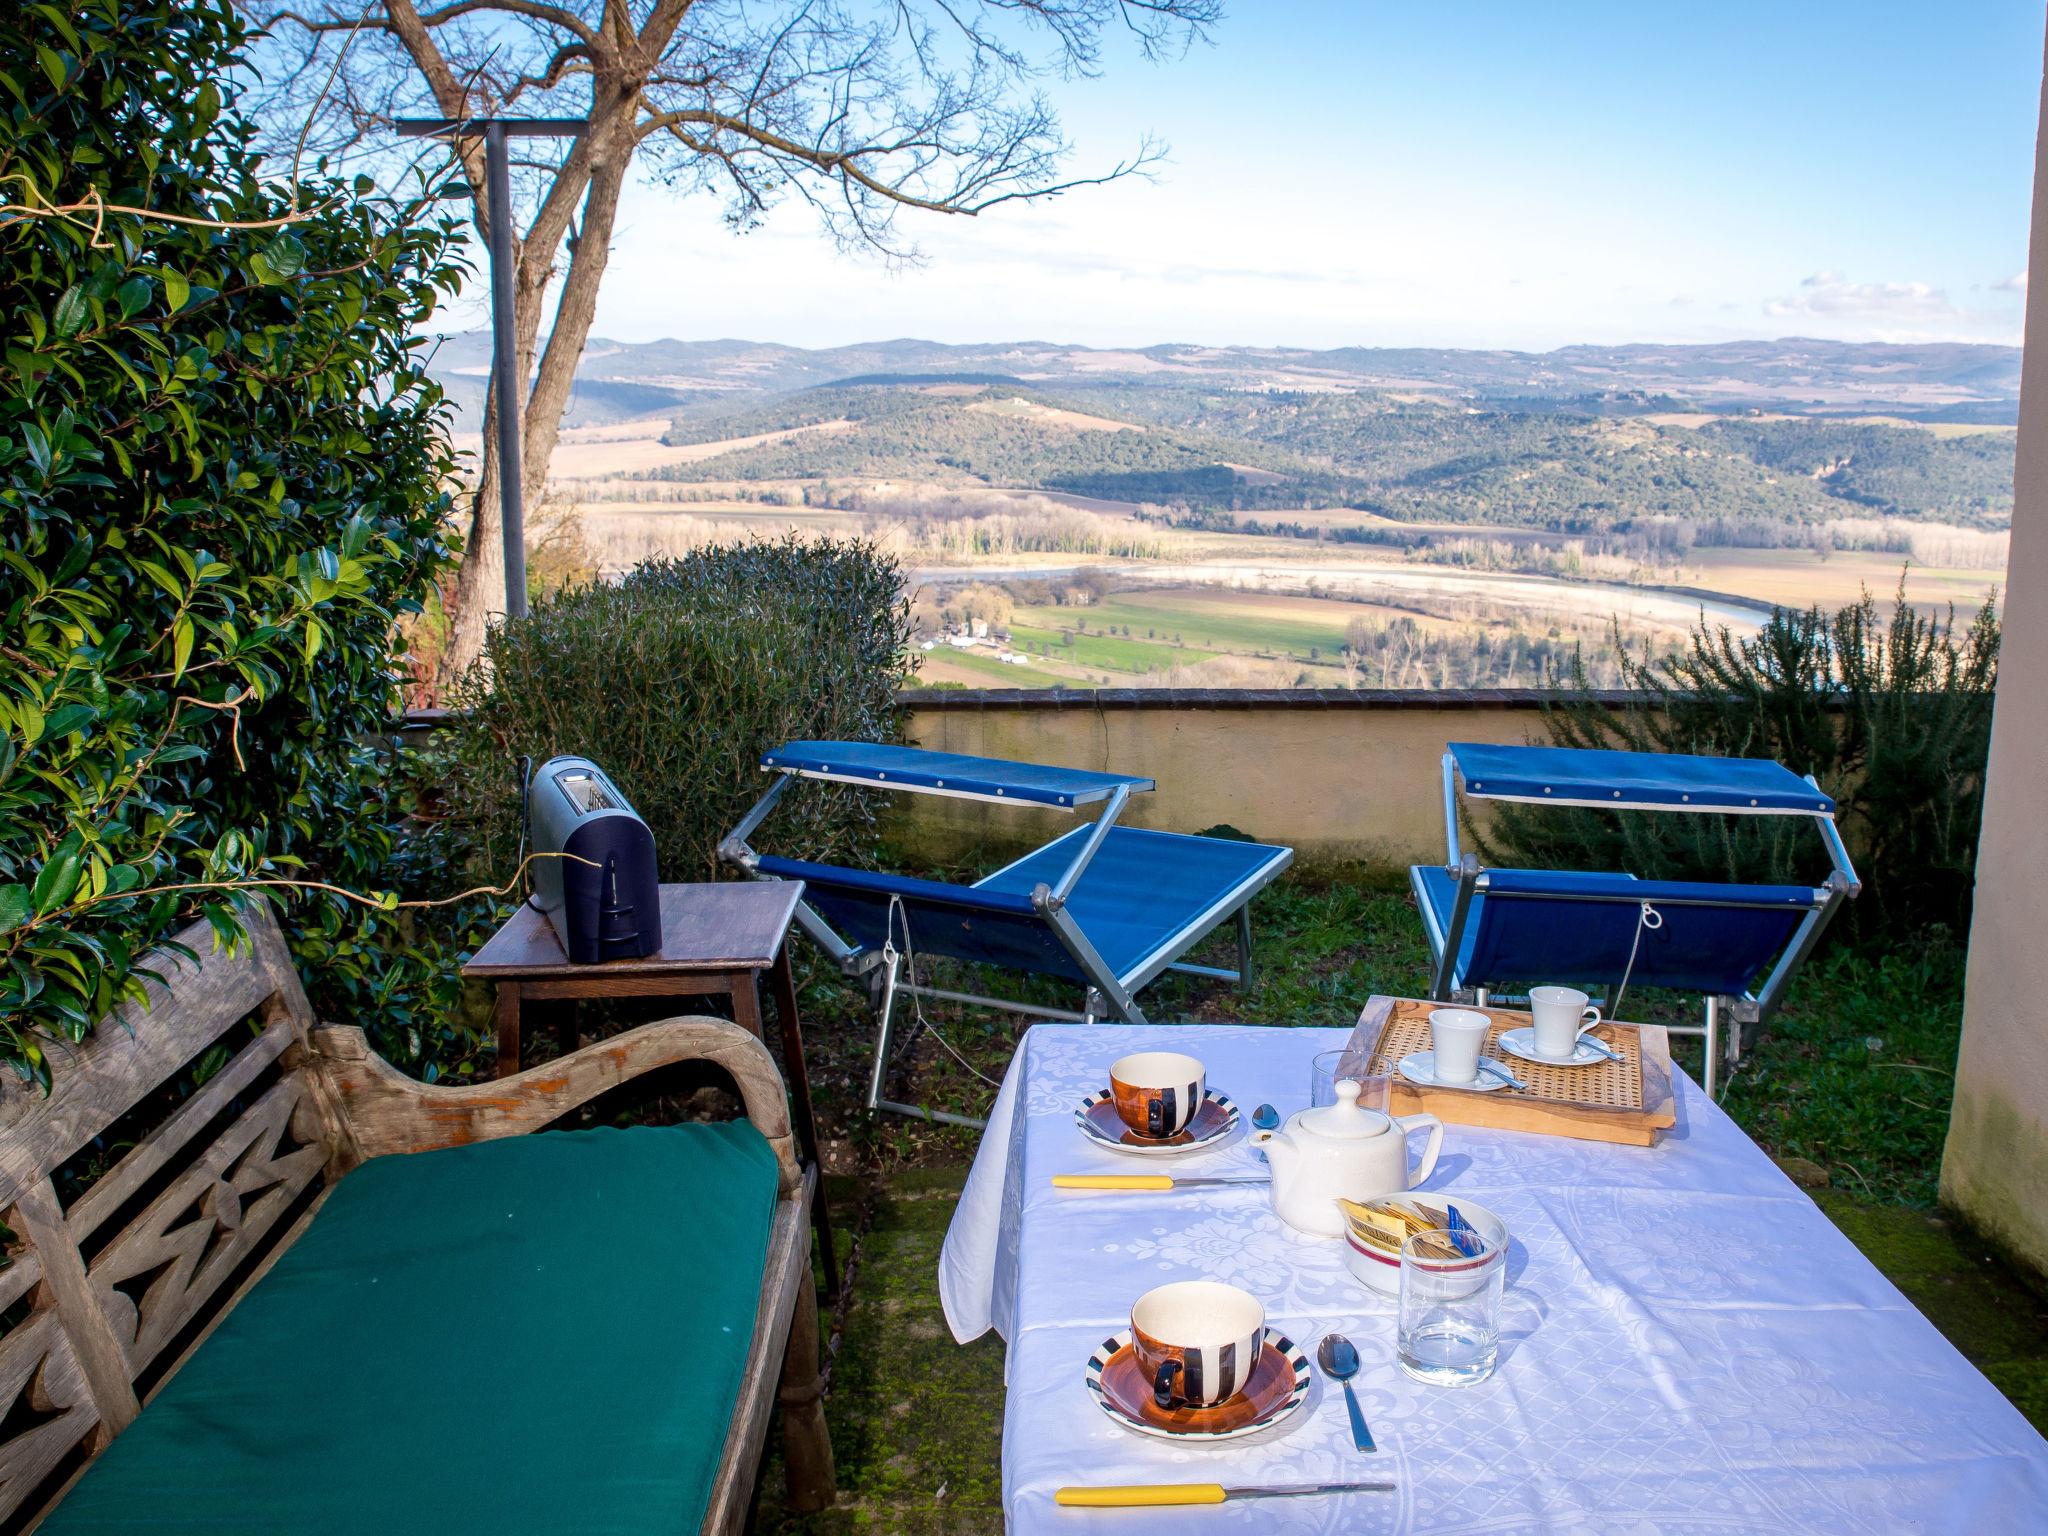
1628 1101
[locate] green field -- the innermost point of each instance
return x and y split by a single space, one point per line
1235 623
1109 653
1000 674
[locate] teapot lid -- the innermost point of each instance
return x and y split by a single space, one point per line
1345 1119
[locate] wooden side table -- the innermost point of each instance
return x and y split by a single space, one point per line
716 941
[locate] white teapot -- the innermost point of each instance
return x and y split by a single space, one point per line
1342 1150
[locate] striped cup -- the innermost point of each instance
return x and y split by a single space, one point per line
1198 1340
1157 1092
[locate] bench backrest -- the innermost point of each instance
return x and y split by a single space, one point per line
175 1156
867 908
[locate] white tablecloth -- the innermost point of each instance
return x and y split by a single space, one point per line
1690 1345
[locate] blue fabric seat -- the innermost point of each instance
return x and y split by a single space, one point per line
1737 944
1552 925
1143 898
1145 893
1140 900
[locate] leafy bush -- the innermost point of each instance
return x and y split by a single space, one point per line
676 680
1892 717
222 469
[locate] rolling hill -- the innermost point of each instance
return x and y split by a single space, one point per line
1938 381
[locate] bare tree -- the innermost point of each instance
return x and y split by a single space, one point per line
859 108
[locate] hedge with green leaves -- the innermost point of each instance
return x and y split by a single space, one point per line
222 479
676 680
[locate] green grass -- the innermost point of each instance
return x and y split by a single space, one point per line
1004 674
1858 1070
1204 625
916 1420
1111 652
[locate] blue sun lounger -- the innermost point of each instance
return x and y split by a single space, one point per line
1740 945
1107 907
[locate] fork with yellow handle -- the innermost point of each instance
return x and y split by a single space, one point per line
1152 1495
1150 1180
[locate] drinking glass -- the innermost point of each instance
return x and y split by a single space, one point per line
1449 1326
1373 1087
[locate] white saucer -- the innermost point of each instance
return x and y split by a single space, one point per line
1419 1068
1522 1043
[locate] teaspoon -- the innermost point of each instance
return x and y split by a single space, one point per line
1339 1359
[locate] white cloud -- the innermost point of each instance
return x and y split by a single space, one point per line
1830 295
2017 283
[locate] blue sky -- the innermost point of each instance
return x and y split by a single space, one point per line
1483 174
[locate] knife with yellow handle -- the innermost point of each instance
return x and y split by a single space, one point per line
1149 1180
1153 1495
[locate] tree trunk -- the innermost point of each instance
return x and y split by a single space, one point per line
480 580
574 315
480 585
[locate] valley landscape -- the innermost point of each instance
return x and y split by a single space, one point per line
1239 517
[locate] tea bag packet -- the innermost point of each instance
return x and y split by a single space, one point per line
1462 1233
1386 1223
1439 1244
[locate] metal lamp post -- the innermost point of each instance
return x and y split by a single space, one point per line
505 380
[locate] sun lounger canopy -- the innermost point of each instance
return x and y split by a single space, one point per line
946 773
1645 781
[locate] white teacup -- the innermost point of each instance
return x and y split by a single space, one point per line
1455 1035
1562 1014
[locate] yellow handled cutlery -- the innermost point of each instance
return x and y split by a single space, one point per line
1149 1180
1151 1495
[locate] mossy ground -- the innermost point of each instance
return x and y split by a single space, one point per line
917 1420
1854 1077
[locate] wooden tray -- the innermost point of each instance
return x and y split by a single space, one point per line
1628 1101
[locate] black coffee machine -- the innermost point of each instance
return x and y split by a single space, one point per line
595 877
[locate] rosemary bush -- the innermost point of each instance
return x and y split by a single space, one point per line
1891 715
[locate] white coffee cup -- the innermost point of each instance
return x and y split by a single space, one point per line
1562 1014
1456 1034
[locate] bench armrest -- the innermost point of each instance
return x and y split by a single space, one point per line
382 1111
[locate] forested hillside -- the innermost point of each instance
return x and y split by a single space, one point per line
1196 452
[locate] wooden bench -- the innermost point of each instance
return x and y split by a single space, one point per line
144 1209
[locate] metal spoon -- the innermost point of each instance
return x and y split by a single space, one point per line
1339 1359
1603 1048
1491 1069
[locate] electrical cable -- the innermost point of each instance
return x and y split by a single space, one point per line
1647 917
909 953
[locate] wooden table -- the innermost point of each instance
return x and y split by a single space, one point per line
716 941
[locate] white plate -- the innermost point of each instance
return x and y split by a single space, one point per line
1420 1069
1522 1043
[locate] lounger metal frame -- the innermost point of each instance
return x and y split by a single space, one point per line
1108 995
1751 1008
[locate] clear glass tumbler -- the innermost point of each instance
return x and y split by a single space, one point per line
1449 1324
1373 1087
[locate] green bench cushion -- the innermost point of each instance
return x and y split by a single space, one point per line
541 1334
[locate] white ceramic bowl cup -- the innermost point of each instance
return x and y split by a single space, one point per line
1456 1034
1561 1015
